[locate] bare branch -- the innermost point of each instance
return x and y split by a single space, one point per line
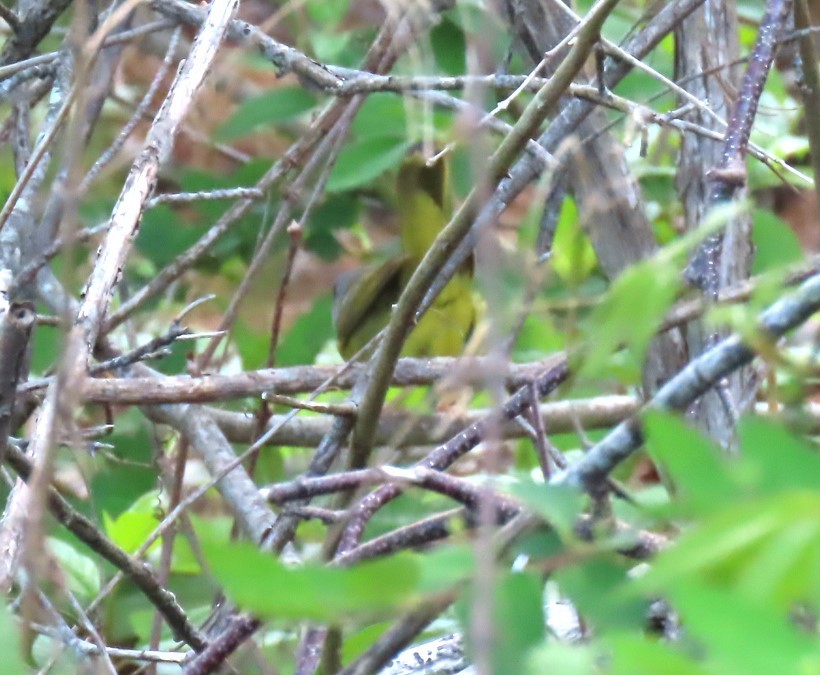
138 572
692 382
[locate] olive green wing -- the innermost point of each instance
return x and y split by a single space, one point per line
364 299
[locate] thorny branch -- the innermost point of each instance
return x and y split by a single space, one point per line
730 173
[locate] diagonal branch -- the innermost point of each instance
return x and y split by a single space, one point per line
137 571
692 382
140 185
373 389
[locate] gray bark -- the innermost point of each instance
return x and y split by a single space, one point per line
705 43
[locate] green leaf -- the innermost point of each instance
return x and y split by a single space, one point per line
775 460
695 465
273 107
446 566
381 114
740 636
327 13
365 159
449 47
557 657
791 147
358 642
308 334
252 344
120 483
541 544
132 527
573 257
559 505
337 212
785 568
81 572
768 550
332 46
163 235
46 347
597 587
517 619
630 314
775 243
10 645
43 651
264 585
641 655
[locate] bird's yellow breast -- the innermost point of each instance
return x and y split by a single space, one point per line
364 308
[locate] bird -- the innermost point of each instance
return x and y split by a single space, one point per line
364 298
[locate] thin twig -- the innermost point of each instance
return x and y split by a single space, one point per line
208 195
111 151
138 572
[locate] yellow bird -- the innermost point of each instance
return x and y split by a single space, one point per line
365 297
